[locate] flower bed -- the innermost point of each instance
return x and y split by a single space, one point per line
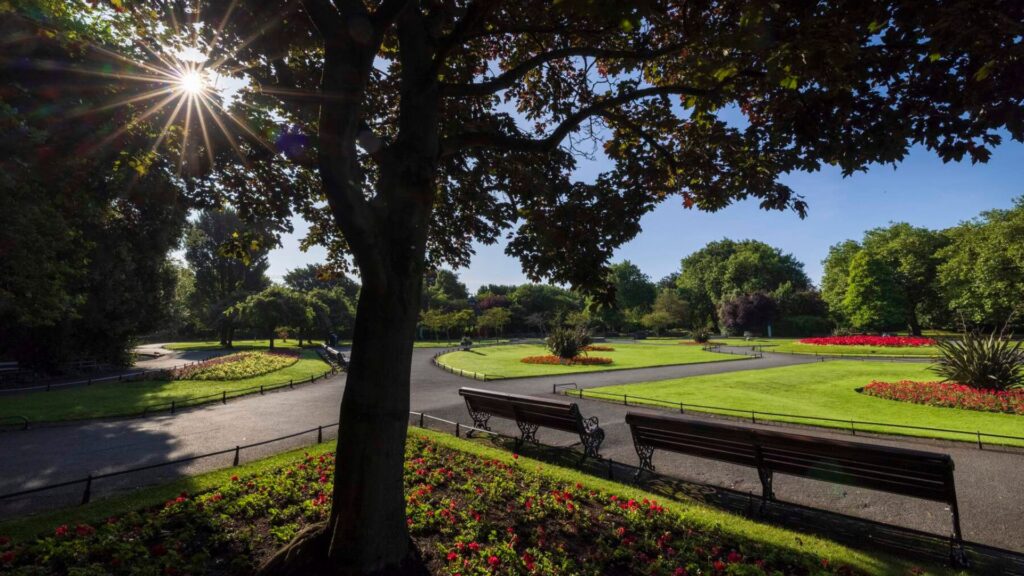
865 340
577 361
467 514
236 366
949 395
598 348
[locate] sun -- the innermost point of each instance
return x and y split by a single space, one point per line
192 83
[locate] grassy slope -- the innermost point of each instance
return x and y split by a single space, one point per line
504 361
122 398
826 389
694 513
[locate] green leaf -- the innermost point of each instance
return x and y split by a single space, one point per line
724 73
934 56
985 70
789 82
875 26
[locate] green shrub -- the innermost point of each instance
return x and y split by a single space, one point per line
981 361
802 326
701 335
568 342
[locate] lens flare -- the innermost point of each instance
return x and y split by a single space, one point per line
192 83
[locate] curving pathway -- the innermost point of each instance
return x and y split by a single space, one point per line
992 508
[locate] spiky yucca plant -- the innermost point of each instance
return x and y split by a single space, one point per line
981 361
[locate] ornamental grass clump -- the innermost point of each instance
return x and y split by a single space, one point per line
568 342
986 362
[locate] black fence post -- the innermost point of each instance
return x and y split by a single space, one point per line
291 383
421 419
979 441
87 495
261 389
237 449
319 434
611 469
223 396
456 429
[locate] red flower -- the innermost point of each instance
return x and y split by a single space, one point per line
5 540
234 478
680 572
158 550
865 340
84 530
452 555
734 557
719 565
494 560
474 546
61 530
7 557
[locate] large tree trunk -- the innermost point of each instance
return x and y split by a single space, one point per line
368 521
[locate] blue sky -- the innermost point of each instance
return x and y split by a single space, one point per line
922 191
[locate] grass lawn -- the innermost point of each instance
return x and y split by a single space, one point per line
454 343
826 389
591 525
795 347
237 345
125 398
504 361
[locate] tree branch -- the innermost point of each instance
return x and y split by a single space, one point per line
643 134
322 14
475 14
498 140
509 77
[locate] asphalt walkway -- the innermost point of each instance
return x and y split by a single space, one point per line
988 481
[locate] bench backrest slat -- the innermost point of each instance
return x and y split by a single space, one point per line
550 413
926 475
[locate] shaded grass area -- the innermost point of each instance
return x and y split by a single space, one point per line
777 544
827 389
127 398
454 343
505 361
236 345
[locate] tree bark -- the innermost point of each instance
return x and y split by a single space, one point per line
368 521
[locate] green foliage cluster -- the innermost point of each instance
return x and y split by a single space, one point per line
83 235
905 277
567 342
980 361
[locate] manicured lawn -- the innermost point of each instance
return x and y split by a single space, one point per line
237 345
828 390
453 343
504 361
472 509
125 398
795 347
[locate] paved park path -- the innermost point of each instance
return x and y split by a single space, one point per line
988 481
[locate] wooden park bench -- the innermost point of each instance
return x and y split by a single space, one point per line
530 413
919 474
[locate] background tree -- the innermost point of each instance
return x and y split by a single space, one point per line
836 278
274 308
727 267
406 111
340 310
747 312
981 275
434 321
494 321
669 311
84 231
317 276
873 302
223 279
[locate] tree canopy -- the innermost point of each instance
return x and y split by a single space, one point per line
403 131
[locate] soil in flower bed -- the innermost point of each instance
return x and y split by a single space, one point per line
577 361
949 395
236 366
865 340
468 515
598 348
